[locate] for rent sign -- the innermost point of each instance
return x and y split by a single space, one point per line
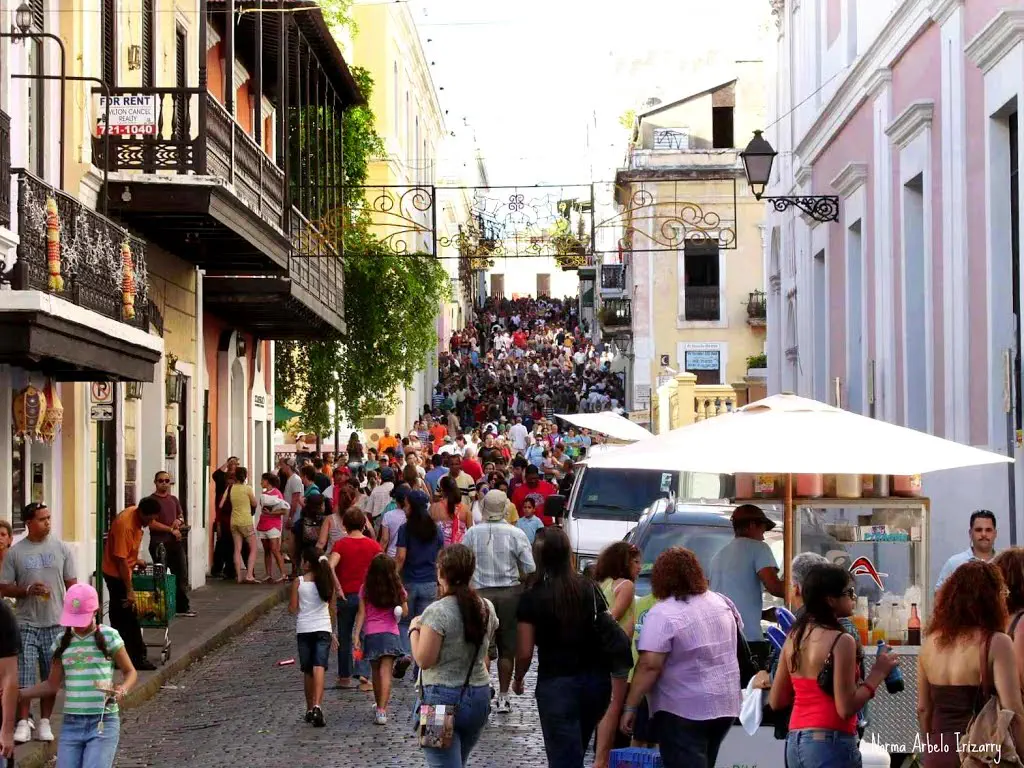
131 114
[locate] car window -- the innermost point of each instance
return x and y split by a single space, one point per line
621 494
703 540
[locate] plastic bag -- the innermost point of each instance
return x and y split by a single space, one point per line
751 709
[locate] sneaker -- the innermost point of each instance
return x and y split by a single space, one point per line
44 732
401 666
309 716
187 614
504 704
22 732
145 666
318 717
380 716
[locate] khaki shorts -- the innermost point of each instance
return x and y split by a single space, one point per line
506 604
245 531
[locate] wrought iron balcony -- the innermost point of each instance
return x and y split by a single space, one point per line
757 308
613 278
5 170
616 314
90 255
195 135
703 303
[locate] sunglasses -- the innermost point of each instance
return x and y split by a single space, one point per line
850 593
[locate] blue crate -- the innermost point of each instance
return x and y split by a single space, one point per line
634 757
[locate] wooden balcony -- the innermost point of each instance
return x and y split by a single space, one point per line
616 315
613 279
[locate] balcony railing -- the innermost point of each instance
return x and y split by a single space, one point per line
5 170
90 250
702 302
315 265
757 308
183 144
713 400
616 313
613 277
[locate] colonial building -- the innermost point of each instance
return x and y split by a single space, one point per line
908 307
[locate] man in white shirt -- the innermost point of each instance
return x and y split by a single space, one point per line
380 496
519 435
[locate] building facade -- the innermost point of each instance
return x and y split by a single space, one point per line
683 292
906 309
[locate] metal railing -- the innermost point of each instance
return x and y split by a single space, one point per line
613 277
616 313
219 147
90 254
757 306
315 265
702 303
5 170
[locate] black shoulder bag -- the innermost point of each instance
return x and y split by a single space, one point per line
614 644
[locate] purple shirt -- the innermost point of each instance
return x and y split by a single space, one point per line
701 677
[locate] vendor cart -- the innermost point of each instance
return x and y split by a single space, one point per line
155 589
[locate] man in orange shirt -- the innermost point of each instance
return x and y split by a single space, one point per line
120 554
439 432
388 441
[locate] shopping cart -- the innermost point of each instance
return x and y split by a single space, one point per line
155 589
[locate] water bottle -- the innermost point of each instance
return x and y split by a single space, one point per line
894 681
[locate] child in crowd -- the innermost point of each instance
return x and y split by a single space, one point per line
84 660
529 523
271 508
312 603
382 601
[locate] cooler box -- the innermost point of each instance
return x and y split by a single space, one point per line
634 757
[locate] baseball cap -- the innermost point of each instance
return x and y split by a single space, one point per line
419 499
494 505
387 475
80 605
401 492
748 513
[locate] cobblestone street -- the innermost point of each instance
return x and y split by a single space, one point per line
238 708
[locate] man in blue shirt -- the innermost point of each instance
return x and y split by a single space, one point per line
433 477
745 566
982 532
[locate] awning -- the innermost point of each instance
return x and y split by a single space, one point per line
284 414
607 423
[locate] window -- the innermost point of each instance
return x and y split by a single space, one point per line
180 80
35 112
913 258
820 319
672 139
701 285
108 23
1015 254
621 494
722 128
543 285
148 19
498 286
854 318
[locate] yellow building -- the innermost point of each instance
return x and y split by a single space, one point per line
686 293
410 120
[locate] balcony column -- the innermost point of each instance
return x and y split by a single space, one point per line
200 146
284 100
257 78
229 58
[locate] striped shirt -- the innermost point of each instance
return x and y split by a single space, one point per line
502 552
85 667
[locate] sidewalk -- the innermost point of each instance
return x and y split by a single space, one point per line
225 609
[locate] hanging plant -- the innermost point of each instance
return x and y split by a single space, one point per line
56 282
127 281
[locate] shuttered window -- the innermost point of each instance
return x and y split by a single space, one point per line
148 20
180 81
36 6
108 22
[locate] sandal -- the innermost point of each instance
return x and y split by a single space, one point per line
250 581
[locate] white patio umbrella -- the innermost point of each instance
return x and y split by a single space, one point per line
787 434
607 423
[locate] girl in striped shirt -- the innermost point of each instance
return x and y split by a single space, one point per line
84 659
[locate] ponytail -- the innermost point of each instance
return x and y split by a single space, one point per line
320 567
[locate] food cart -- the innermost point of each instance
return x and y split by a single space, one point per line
882 539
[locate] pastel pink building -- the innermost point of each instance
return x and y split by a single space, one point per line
908 308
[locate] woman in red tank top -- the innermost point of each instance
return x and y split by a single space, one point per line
818 674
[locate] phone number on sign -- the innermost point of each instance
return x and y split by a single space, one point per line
128 130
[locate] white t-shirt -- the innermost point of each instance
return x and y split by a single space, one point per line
314 614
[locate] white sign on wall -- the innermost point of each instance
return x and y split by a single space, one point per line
131 114
697 356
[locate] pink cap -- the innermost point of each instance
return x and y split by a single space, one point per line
80 605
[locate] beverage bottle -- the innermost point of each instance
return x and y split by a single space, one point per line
894 627
913 626
860 620
894 680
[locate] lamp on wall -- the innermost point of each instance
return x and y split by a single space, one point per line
757 165
239 345
133 390
175 382
23 18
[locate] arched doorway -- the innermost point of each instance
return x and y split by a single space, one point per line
238 409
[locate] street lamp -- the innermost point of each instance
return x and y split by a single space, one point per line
757 165
23 18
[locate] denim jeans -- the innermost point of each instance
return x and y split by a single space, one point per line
686 743
347 610
419 595
470 720
570 708
819 748
82 746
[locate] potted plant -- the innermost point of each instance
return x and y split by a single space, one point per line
757 365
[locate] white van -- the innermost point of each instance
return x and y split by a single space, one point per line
606 503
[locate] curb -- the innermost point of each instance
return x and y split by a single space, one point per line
45 753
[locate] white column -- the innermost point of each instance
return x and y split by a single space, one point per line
884 309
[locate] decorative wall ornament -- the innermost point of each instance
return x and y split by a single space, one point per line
29 408
127 280
778 11
56 282
54 418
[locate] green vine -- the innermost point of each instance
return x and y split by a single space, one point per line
390 305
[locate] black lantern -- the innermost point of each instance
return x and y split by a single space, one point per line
175 382
757 165
23 18
133 390
239 345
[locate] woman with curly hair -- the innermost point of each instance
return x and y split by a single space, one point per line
965 656
1010 563
616 572
687 668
